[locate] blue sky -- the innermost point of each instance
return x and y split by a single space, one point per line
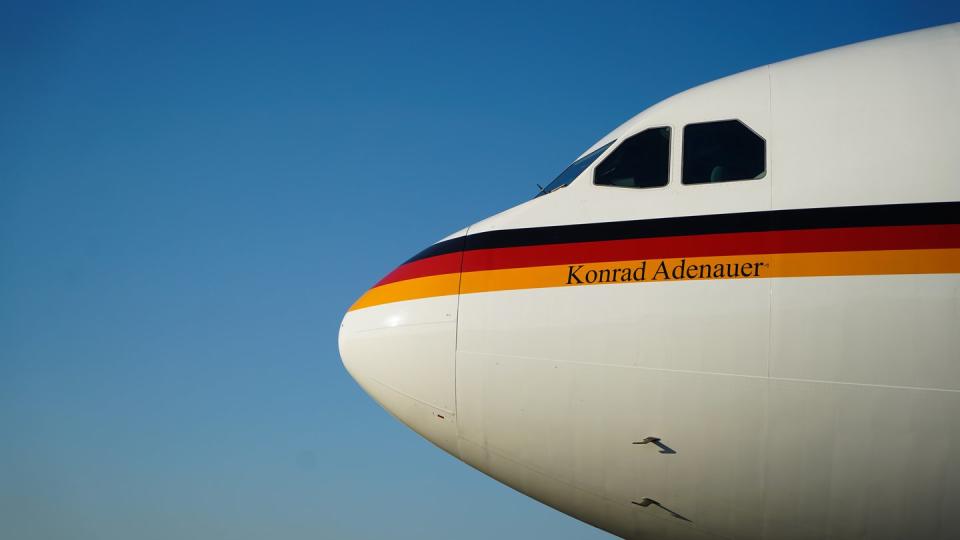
192 195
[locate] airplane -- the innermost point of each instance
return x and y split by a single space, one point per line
737 315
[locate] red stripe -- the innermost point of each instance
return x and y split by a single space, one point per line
441 264
843 239
802 241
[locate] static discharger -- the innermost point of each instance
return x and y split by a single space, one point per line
647 441
647 501
664 449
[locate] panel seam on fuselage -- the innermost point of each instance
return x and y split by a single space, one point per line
414 398
456 332
719 373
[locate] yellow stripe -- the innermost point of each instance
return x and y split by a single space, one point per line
410 289
853 263
775 265
925 261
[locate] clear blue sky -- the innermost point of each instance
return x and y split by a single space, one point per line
191 196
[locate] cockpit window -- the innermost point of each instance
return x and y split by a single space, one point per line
722 152
642 161
573 171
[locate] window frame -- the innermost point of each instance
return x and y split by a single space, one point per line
683 140
623 140
601 151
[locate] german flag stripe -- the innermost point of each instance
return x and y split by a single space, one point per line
780 265
893 239
890 215
441 264
411 289
858 239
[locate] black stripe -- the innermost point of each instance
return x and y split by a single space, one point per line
940 213
452 245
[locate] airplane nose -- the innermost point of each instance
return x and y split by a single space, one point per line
398 341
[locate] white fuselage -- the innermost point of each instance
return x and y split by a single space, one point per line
815 393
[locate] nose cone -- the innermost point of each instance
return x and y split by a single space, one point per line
400 347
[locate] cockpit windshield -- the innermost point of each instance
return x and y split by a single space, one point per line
573 171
